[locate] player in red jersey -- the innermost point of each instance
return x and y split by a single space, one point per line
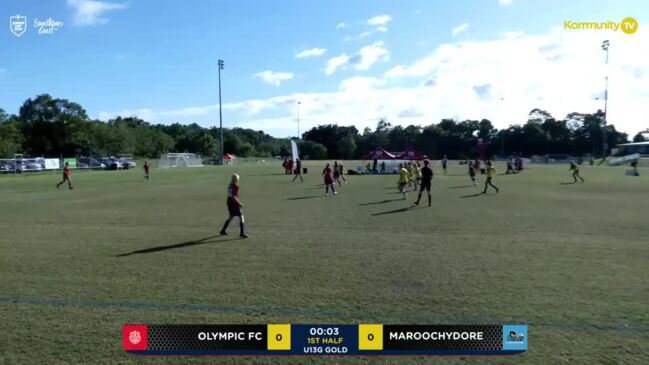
328 180
234 207
146 170
66 177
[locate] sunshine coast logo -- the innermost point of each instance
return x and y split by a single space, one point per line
48 26
628 25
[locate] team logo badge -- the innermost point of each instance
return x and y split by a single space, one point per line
134 337
18 24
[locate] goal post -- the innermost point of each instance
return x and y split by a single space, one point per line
169 160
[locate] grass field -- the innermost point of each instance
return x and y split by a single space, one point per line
570 260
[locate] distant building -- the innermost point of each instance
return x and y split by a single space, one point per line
638 147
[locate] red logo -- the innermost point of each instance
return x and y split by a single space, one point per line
134 337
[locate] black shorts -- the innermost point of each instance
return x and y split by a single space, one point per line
235 211
425 185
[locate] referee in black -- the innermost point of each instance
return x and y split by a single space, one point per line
426 180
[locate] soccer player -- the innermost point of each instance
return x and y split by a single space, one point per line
328 180
66 177
234 207
404 178
490 171
574 167
426 180
336 172
472 173
298 170
285 166
341 171
146 170
417 171
444 163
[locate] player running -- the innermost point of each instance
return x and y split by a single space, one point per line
444 164
146 170
426 182
298 170
574 167
234 207
328 180
66 177
491 171
404 178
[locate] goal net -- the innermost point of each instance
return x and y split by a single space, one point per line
168 160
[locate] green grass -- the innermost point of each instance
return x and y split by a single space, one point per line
569 260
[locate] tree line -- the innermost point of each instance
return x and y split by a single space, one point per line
47 126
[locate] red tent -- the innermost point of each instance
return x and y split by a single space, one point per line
229 157
410 154
381 154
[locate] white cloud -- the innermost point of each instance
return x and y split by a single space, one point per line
313 52
504 2
379 20
341 25
358 83
462 28
336 62
369 55
365 34
500 79
274 78
381 29
362 60
90 12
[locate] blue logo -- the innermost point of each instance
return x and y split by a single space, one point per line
515 337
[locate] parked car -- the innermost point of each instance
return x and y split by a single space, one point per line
127 164
90 162
111 163
7 166
28 165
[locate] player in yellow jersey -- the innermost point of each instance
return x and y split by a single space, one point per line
404 178
574 167
417 171
491 172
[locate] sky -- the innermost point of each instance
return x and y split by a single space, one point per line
345 62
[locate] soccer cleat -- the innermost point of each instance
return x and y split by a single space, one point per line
243 235
335 193
417 202
223 233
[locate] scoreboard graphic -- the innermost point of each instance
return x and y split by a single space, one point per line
325 340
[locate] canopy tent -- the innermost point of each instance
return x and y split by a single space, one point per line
229 157
381 154
410 154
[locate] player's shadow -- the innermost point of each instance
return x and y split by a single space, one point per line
568 183
472 195
304 197
178 245
273 174
381 202
401 210
461 187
